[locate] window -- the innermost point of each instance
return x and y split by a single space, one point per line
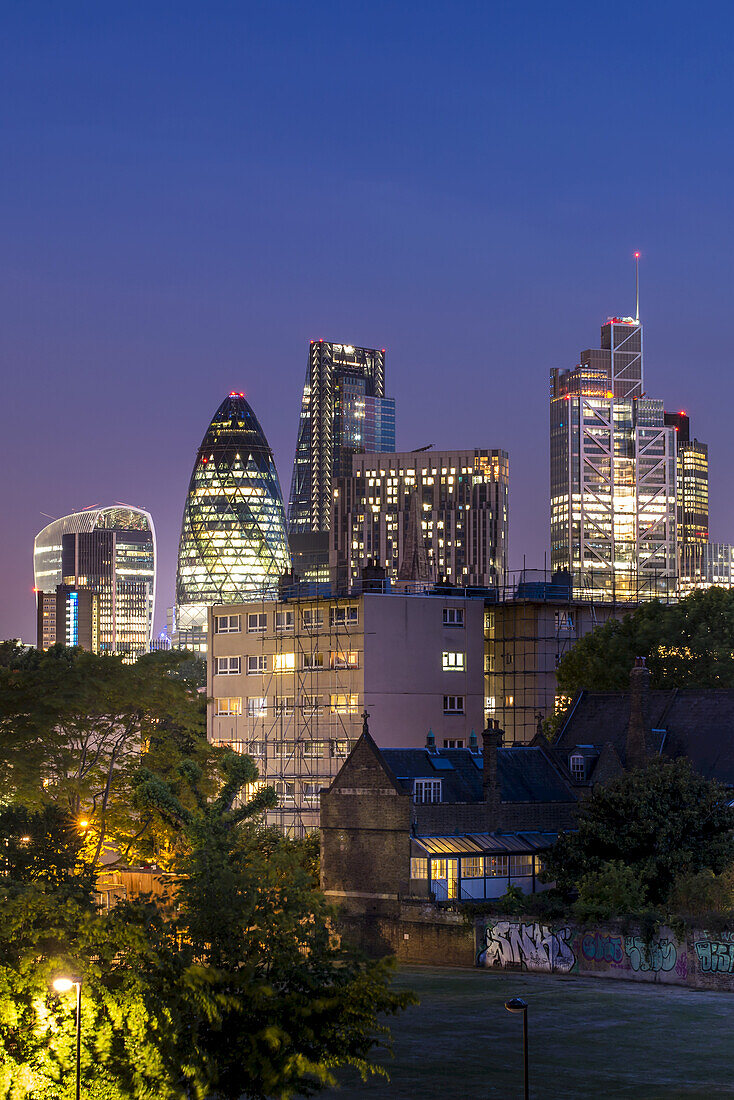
257 706
286 792
489 662
313 660
453 616
341 747
257 665
453 704
509 700
472 867
521 866
453 743
312 704
344 704
489 622
227 624
577 765
343 616
427 790
313 750
418 867
311 792
284 662
227 666
312 616
564 622
256 748
496 866
350 659
228 706
284 620
490 704
453 662
283 705
281 749
257 623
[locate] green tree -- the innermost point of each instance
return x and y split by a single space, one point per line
615 890
661 821
39 845
688 644
75 729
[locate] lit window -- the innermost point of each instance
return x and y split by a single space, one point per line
418 867
472 867
521 866
349 659
227 666
427 790
577 766
257 706
344 704
453 616
227 624
346 616
284 620
496 866
284 662
231 707
311 792
453 704
257 665
453 743
341 747
509 700
257 624
313 750
453 662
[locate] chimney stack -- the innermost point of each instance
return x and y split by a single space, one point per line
491 741
636 744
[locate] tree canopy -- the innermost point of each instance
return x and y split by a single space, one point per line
687 644
662 821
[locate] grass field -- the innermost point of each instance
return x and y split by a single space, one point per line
588 1039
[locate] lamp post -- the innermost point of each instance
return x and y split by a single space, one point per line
63 985
517 1004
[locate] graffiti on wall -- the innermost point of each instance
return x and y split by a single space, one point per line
715 955
534 946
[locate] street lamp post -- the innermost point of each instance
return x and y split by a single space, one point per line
63 985
518 1005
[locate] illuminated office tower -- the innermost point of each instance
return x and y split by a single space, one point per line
95 581
613 477
344 412
233 543
692 487
422 516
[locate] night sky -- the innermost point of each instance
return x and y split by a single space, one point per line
190 192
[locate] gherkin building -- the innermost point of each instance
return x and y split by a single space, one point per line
234 545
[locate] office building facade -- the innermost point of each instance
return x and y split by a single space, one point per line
692 482
613 473
288 682
344 412
422 516
105 553
233 542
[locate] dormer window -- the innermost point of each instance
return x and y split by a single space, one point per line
577 767
427 790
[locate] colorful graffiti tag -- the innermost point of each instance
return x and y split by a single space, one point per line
716 956
534 946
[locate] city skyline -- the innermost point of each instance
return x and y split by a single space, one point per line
164 244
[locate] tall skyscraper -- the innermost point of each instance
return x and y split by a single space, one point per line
233 544
422 516
344 412
692 482
95 580
613 478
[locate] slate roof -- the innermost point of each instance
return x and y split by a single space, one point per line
526 774
693 722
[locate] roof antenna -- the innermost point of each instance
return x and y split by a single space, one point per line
637 285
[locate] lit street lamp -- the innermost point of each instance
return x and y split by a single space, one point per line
63 985
517 1004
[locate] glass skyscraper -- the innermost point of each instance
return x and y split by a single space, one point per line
105 553
344 412
613 473
233 544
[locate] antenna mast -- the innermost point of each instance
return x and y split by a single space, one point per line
637 285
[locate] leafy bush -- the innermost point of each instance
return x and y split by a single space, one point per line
612 891
702 893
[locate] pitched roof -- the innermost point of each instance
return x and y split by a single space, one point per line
693 722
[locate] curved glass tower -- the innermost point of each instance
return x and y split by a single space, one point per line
233 544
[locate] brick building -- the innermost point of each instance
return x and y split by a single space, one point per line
440 823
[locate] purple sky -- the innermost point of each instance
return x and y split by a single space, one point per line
190 192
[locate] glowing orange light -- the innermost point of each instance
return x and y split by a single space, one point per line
637 255
682 412
84 824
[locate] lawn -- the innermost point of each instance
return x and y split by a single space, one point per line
588 1038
